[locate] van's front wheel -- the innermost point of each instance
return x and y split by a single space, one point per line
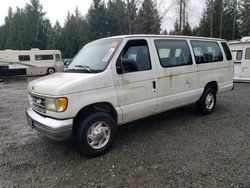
95 134
207 102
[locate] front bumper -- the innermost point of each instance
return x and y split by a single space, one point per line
52 128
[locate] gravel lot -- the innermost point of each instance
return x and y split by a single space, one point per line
179 148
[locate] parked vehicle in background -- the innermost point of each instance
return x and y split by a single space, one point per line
30 62
66 63
241 56
120 79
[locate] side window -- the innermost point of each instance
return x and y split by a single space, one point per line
43 57
58 57
206 52
136 51
239 55
24 58
248 53
227 51
173 52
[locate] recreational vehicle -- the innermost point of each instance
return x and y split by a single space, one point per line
30 62
241 56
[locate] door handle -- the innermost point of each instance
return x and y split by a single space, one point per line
154 85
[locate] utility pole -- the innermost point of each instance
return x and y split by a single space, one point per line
211 18
36 39
180 26
184 13
221 17
234 19
129 17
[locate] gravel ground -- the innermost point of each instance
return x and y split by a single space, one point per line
179 148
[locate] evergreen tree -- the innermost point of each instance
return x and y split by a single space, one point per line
5 29
212 24
206 22
176 30
117 20
132 15
187 30
26 28
15 31
74 34
164 32
244 21
149 21
54 38
97 20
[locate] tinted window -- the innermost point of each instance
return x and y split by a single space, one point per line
206 52
173 53
239 55
24 58
137 51
43 57
248 53
227 51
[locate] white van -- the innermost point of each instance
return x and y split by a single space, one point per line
30 62
241 57
120 79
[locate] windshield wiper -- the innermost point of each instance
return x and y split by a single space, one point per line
84 67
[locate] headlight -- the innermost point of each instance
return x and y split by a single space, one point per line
56 104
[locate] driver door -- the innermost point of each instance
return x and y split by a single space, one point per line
136 88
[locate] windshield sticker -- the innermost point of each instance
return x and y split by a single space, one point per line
107 56
115 43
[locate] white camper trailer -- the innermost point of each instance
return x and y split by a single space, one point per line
30 62
241 56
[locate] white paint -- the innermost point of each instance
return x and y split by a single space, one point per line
241 66
132 94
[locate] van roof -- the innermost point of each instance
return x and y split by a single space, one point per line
167 36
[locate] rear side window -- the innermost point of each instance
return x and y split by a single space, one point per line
227 51
248 53
206 52
43 57
24 58
173 52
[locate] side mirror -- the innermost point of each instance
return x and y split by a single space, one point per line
126 65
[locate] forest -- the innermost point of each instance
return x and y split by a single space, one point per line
28 27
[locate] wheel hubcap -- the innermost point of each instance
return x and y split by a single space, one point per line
210 101
98 134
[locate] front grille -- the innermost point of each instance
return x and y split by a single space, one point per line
37 103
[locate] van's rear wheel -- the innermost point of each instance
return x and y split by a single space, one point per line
51 71
95 134
207 102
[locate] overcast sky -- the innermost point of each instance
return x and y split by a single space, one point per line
57 9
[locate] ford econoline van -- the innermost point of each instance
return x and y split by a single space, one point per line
120 79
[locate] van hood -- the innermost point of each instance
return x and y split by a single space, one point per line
59 84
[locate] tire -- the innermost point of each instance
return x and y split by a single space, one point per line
51 71
94 135
207 102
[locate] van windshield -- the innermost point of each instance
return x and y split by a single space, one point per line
94 57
